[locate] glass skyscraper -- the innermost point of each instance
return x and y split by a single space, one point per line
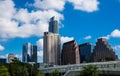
29 53
85 52
53 25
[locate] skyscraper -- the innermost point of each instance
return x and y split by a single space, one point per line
85 52
70 53
52 43
29 53
53 25
102 51
51 54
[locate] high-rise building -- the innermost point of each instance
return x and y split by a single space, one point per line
85 52
70 53
3 60
11 57
53 25
29 53
102 51
51 53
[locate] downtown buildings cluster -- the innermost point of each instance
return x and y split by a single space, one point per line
69 53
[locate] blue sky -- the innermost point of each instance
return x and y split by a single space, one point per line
82 20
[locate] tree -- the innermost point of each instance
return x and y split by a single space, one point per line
54 73
4 71
40 74
89 70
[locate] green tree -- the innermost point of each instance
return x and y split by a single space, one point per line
89 70
54 73
40 74
4 71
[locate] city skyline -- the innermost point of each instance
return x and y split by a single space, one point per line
84 21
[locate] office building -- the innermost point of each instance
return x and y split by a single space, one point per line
11 57
103 52
85 52
70 53
53 25
3 60
29 53
51 53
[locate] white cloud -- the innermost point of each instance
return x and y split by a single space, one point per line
40 50
50 4
40 44
116 33
4 56
106 37
88 37
31 23
117 47
66 39
85 5
1 48
40 53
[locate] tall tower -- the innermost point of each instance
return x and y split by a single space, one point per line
51 53
51 48
29 53
53 25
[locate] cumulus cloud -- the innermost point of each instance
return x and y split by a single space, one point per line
66 39
21 23
4 56
40 53
50 4
40 44
88 37
114 34
1 48
85 5
117 47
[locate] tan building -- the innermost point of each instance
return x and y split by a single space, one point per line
103 52
70 53
11 57
51 53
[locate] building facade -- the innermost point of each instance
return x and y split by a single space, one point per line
53 25
85 52
3 60
11 57
70 53
51 53
29 53
103 52
52 43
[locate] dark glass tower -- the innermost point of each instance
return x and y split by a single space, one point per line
53 25
85 52
29 53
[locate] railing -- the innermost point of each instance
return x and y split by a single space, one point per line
107 66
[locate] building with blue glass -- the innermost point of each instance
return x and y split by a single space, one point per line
29 53
85 52
53 25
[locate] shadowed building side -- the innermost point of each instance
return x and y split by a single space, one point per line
70 53
103 52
